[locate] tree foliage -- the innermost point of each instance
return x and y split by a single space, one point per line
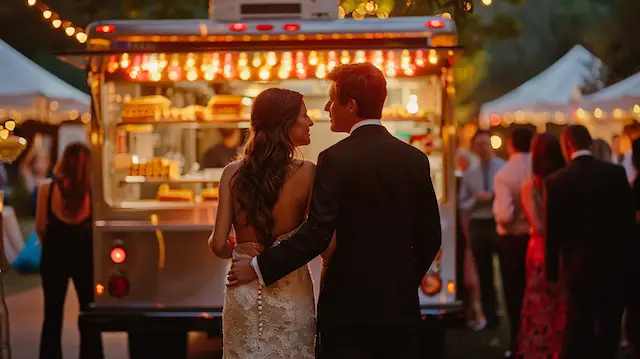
622 55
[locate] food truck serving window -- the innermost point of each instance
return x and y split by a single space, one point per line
173 120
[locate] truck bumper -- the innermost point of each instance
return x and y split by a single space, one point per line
147 319
444 316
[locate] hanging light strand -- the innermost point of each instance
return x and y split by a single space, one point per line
54 19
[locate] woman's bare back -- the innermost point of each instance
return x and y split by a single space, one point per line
290 209
277 321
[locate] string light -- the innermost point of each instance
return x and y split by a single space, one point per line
267 66
69 28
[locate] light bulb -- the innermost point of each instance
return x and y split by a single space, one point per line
245 74
412 106
56 23
31 2
47 14
81 37
265 73
70 30
321 72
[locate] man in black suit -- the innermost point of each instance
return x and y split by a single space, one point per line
375 192
590 221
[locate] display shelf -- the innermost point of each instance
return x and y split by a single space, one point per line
238 122
163 205
183 180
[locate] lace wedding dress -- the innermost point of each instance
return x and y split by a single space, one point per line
273 322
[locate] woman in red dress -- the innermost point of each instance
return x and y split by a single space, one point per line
542 325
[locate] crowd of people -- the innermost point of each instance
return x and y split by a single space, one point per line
561 215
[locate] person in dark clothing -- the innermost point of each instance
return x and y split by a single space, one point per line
224 152
64 225
633 303
590 226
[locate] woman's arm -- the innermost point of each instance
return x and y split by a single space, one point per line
531 209
219 239
41 209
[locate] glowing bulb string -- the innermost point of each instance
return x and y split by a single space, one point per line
54 18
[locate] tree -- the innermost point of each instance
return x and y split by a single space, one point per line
622 55
473 33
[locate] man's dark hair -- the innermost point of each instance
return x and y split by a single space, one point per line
521 138
480 133
365 84
578 136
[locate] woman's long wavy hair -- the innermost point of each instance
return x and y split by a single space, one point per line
74 172
268 155
546 155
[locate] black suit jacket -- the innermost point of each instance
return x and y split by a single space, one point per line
590 222
375 192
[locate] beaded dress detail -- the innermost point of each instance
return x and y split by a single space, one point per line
278 321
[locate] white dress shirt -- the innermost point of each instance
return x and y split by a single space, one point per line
580 153
507 207
254 260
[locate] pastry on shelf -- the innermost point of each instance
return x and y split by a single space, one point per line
156 168
166 194
193 112
225 106
146 108
209 194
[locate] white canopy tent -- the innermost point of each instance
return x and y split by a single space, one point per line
551 95
616 99
29 91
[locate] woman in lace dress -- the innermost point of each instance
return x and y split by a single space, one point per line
543 317
264 197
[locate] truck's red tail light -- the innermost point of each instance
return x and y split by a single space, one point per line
118 255
238 27
291 27
435 24
264 27
106 29
431 284
99 289
118 286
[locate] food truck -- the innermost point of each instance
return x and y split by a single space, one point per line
163 91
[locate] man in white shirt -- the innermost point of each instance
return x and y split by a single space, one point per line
476 201
513 226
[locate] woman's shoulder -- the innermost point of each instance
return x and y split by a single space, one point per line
305 168
306 165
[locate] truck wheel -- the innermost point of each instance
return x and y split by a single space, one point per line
432 342
144 345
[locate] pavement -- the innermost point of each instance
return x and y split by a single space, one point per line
25 316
